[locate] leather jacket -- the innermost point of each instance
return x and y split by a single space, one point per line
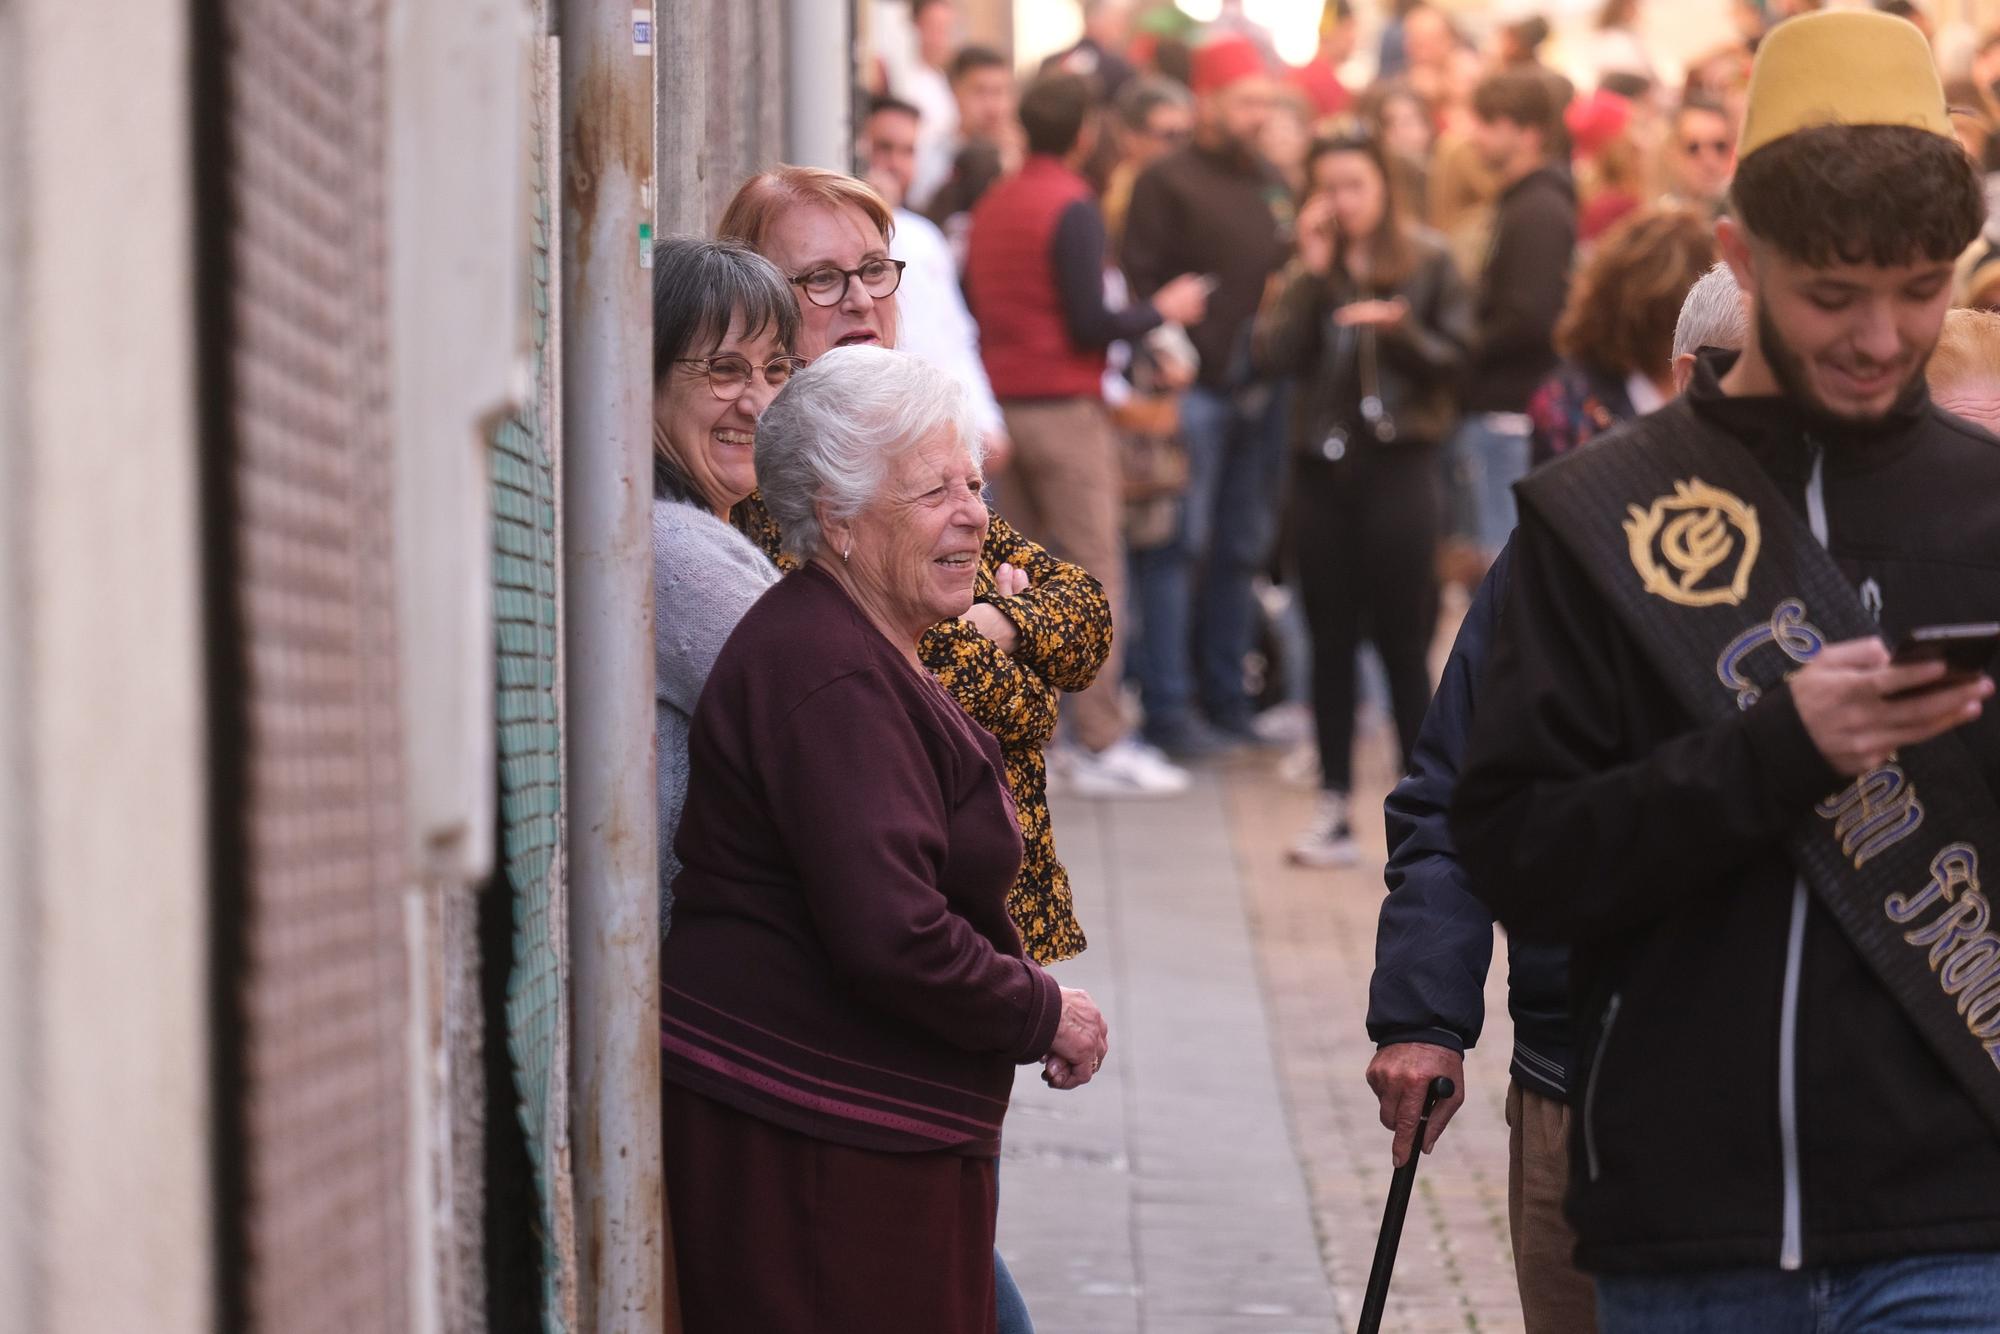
1418 365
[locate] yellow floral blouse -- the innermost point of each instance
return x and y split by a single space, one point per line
1063 623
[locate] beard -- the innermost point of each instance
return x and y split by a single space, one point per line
1788 368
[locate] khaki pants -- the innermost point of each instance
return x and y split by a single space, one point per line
1065 489
1555 1297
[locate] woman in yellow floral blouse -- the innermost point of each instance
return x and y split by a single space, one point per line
1039 624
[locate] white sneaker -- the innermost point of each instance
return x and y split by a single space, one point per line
1329 842
1300 767
1060 762
1125 769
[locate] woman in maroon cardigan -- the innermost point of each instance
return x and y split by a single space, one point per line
843 996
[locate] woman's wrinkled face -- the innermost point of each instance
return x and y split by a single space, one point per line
1360 196
710 439
914 551
816 236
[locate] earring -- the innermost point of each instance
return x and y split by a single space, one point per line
845 554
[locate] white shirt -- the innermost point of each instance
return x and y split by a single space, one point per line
1645 395
933 323
929 91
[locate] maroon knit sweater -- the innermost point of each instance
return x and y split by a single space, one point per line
841 961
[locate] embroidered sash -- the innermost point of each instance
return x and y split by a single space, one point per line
1728 590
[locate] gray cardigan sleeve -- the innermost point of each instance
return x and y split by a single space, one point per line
705 576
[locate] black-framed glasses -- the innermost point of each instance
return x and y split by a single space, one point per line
729 375
827 285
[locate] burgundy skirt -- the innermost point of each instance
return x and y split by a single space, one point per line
779 1233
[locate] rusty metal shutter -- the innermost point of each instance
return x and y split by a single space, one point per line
315 995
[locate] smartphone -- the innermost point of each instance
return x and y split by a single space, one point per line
1966 651
1209 282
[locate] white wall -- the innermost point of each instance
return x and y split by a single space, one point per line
108 776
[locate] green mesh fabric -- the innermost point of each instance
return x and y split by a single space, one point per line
530 735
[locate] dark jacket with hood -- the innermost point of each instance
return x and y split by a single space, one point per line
1435 939
1522 290
1712 1128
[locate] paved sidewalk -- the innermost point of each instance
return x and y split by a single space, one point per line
1225 1174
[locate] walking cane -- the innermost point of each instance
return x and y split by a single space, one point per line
1392 1215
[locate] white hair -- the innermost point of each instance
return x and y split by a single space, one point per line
1713 315
832 432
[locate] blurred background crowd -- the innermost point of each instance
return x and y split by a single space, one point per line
1370 263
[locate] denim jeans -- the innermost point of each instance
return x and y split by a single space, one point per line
1923 1294
1014 1318
1482 464
1194 638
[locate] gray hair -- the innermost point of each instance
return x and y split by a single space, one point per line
1712 315
832 432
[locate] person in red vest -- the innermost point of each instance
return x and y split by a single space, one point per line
1035 282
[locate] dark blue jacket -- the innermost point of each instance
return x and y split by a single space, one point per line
1435 940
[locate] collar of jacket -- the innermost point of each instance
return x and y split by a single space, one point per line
1546 174
1780 433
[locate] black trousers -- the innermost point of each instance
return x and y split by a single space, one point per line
1365 533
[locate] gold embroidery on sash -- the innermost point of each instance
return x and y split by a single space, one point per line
1686 539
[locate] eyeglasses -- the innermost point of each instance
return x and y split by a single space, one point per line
1693 147
827 285
729 376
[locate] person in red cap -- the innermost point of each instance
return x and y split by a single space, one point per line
1608 167
1214 207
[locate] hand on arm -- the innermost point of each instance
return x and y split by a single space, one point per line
1062 615
989 620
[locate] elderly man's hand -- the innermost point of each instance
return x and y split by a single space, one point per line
1080 1043
1401 1074
1848 699
988 620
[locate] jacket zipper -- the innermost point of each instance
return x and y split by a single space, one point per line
1791 1246
1590 1087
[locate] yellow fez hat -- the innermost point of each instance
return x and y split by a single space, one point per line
1842 67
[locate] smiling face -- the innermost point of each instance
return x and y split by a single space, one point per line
709 440
813 236
914 551
1848 340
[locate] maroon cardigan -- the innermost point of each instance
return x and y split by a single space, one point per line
841 961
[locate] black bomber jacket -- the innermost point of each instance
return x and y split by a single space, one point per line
1707 1131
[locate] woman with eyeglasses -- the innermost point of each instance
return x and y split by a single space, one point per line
1374 323
1037 624
724 325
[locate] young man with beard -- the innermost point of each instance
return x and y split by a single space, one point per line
1696 762
1214 207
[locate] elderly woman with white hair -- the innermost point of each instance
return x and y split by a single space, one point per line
844 997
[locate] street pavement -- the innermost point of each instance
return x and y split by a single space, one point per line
1225 1173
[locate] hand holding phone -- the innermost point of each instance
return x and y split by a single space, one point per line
1966 651
1860 706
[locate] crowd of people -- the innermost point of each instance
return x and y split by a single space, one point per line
974 471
